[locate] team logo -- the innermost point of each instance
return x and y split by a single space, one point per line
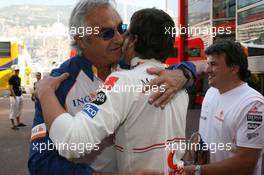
110 82
254 118
255 110
38 131
90 109
253 126
220 117
100 98
81 101
174 168
252 135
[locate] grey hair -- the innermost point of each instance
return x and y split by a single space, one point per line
80 11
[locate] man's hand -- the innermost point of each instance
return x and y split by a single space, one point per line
49 84
12 91
171 80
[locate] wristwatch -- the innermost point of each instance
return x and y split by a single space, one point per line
197 170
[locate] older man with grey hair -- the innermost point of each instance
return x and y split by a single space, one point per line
99 49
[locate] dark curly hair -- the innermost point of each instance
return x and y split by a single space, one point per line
234 55
149 25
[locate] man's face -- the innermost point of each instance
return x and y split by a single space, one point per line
16 72
219 74
99 51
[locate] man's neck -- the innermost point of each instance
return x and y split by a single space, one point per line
103 72
229 86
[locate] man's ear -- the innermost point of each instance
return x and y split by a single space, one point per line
235 69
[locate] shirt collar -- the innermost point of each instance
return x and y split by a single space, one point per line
136 61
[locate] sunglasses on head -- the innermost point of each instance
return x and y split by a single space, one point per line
109 33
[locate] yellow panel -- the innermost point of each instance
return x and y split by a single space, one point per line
14 55
4 77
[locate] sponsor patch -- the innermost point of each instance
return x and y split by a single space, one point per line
90 109
110 82
254 118
100 98
38 131
253 126
81 101
252 135
254 110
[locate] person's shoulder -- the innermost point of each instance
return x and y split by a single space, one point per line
254 95
211 93
135 74
122 73
252 90
125 74
212 90
11 78
69 66
118 75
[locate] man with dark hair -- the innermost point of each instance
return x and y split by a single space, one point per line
231 122
16 99
151 41
141 130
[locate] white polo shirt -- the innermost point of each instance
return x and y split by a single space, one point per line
232 119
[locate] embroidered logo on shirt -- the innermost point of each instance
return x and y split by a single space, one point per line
110 82
254 110
254 118
220 117
81 101
100 98
90 109
253 126
252 135
38 131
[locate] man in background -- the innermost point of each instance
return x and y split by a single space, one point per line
38 77
16 99
232 115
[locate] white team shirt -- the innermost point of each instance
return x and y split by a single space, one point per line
232 119
80 93
141 129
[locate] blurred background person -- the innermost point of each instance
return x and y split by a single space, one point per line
38 77
16 99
